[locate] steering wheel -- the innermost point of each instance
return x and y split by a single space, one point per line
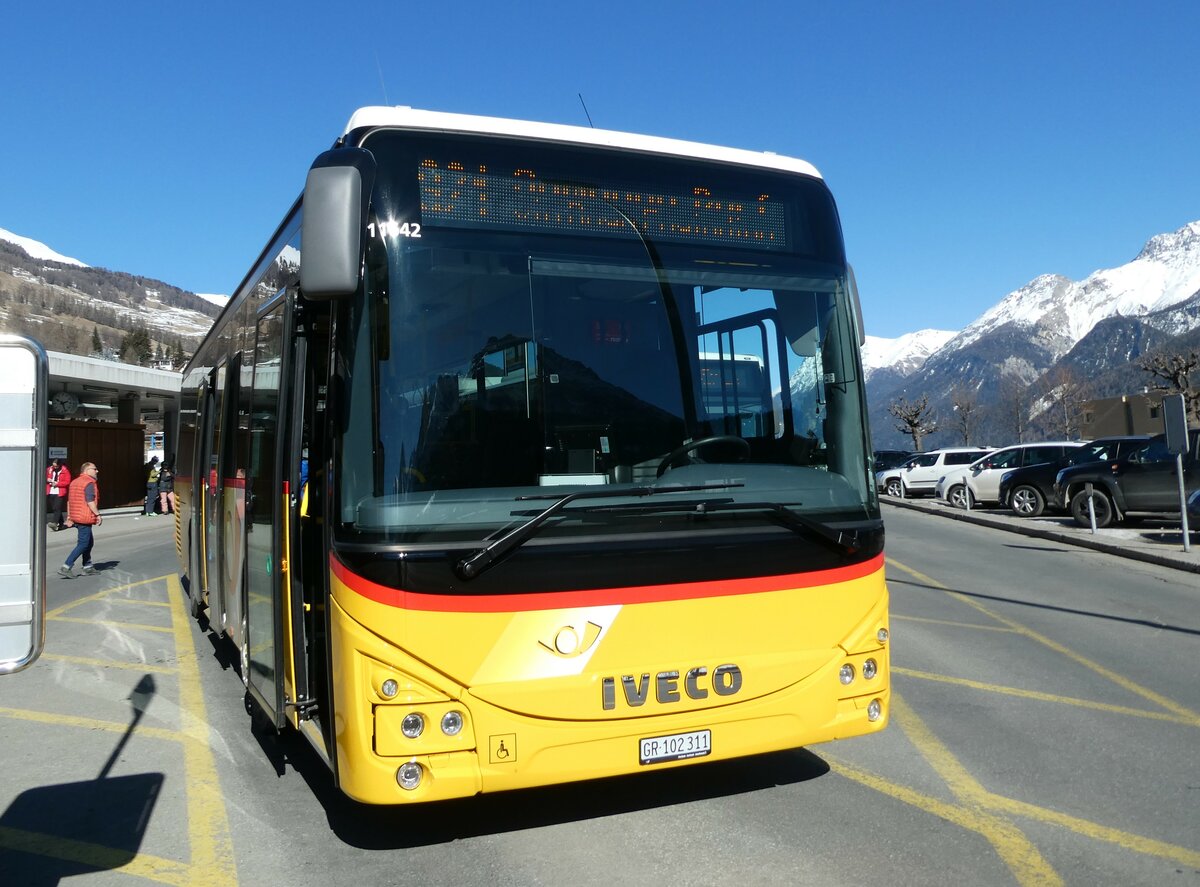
729 439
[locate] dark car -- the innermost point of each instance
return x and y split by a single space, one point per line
1029 491
1144 481
885 459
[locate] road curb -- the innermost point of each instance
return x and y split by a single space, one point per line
1175 561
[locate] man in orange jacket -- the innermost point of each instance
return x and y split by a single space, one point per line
83 510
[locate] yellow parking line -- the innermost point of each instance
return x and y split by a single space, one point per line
208 825
1044 697
138 601
1190 716
103 593
97 856
57 720
108 623
1018 852
952 623
110 663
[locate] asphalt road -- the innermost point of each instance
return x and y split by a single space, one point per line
1043 731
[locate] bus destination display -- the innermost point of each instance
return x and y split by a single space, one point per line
452 195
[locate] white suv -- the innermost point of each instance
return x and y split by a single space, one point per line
919 475
982 477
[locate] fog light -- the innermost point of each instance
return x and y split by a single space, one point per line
874 710
389 688
870 669
452 723
413 725
409 775
846 675
882 636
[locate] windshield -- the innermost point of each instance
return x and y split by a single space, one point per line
519 334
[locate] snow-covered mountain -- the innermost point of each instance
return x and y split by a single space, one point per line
1165 273
1093 328
38 250
903 355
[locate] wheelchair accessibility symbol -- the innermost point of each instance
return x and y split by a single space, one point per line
502 748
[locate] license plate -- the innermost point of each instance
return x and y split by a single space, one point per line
676 747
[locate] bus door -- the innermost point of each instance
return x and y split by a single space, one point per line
208 483
271 490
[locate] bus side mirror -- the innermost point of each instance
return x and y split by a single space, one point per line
24 384
336 196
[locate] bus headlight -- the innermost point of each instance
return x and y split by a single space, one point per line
389 688
874 710
413 725
870 669
452 723
882 636
409 775
846 675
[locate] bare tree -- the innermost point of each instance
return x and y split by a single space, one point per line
1012 407
965 401
1062 396
915 418
1175 372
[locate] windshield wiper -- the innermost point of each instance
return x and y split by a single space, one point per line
845 541
470 567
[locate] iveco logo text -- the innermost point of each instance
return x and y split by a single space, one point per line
726 680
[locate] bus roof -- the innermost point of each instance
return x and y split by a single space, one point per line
403 117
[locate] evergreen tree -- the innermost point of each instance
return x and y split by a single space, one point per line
97 345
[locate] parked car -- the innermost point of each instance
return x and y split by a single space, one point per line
1193 509
885 459
919 475
1143 482
982 477
1029 491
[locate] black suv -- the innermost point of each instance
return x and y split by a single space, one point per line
1029 491
1143 481
885 459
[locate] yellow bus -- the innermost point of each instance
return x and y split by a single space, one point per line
530 453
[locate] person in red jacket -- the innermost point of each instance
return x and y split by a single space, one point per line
83 511
58 479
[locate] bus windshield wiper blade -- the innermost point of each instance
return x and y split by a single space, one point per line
845 541
470 567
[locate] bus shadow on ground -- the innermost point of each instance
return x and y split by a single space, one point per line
390 828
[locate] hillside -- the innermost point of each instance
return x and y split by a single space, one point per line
63 303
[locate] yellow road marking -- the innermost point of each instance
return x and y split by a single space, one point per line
57 720
138 601
97 856
1018 852
952 623
108 623
965 818
1190 716
208 826
1044 697
103 593
110 663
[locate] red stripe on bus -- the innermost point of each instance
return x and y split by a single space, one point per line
553 600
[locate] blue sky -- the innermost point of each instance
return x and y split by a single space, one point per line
970 146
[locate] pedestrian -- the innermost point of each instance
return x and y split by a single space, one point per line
152 472
83 511
58 480
166 487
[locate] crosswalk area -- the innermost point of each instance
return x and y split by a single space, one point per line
109 736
